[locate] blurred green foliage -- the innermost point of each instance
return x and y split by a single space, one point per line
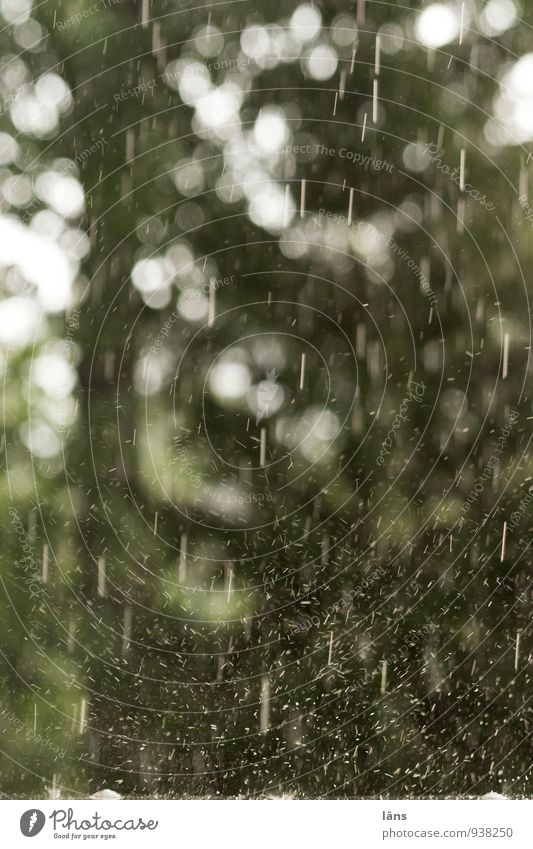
191 668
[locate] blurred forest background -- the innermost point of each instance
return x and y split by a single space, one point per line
265 339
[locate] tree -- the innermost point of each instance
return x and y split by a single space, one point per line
279 552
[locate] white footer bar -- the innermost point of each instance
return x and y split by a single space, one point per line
268 824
